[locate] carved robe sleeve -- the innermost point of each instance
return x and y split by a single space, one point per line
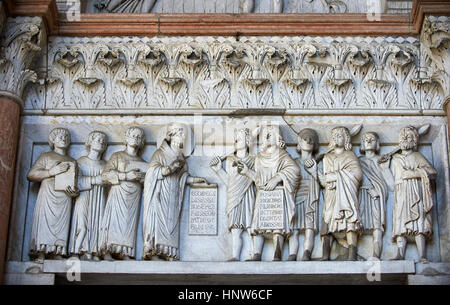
38 171
110 174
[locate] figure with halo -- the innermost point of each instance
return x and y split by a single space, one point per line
164 186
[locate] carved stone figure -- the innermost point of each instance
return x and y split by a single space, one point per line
373 193
125 6
273 167
51 218
90 204
413 198
240 189
307 196
341 179
164 186
125 172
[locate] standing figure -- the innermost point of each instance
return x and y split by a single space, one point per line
90 205
341 179
307 196
373 193
164 186
240 189
51 217
413 201
125 172
273 166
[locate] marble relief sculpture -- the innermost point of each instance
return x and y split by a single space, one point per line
240 189
273 167
373 194
413 197
51 217
341 179
125 6
125 172
90 204
164 186
307 196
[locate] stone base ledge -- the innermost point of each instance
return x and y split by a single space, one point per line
238 273
231 268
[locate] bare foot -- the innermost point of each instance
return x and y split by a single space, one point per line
108 257
40 259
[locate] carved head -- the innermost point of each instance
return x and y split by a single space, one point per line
271 136
340 137
242 138
176 134
135 137
97 141
308 140
59 137
369 141
409 138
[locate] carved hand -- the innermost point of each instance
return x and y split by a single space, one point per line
59 168
373 193
272 184
166 171
331 185
409 174
311 166
134 175
242 168
72 192
215 164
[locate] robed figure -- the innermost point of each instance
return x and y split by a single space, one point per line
90 204
374 190
307 196
413 200
273 167
240 189
124 171
341 179
164 187
52 211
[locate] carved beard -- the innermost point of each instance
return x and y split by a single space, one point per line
177 144
407 145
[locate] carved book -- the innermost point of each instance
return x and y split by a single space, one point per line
68 178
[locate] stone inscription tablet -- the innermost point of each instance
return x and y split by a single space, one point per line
203 209
271 209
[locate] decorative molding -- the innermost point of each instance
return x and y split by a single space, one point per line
224 73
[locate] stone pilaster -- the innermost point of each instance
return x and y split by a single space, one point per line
20 43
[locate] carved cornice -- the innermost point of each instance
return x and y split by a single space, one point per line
22 40
224 73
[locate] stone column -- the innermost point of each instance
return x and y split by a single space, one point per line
21 42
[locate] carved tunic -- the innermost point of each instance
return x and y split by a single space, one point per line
341 208
51 218
413 200
163 199
89 206
119 224
372 211
240 194
307 200
267 165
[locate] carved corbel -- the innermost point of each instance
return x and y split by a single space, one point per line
434 40
22 40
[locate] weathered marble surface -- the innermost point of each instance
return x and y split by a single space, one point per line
218 248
